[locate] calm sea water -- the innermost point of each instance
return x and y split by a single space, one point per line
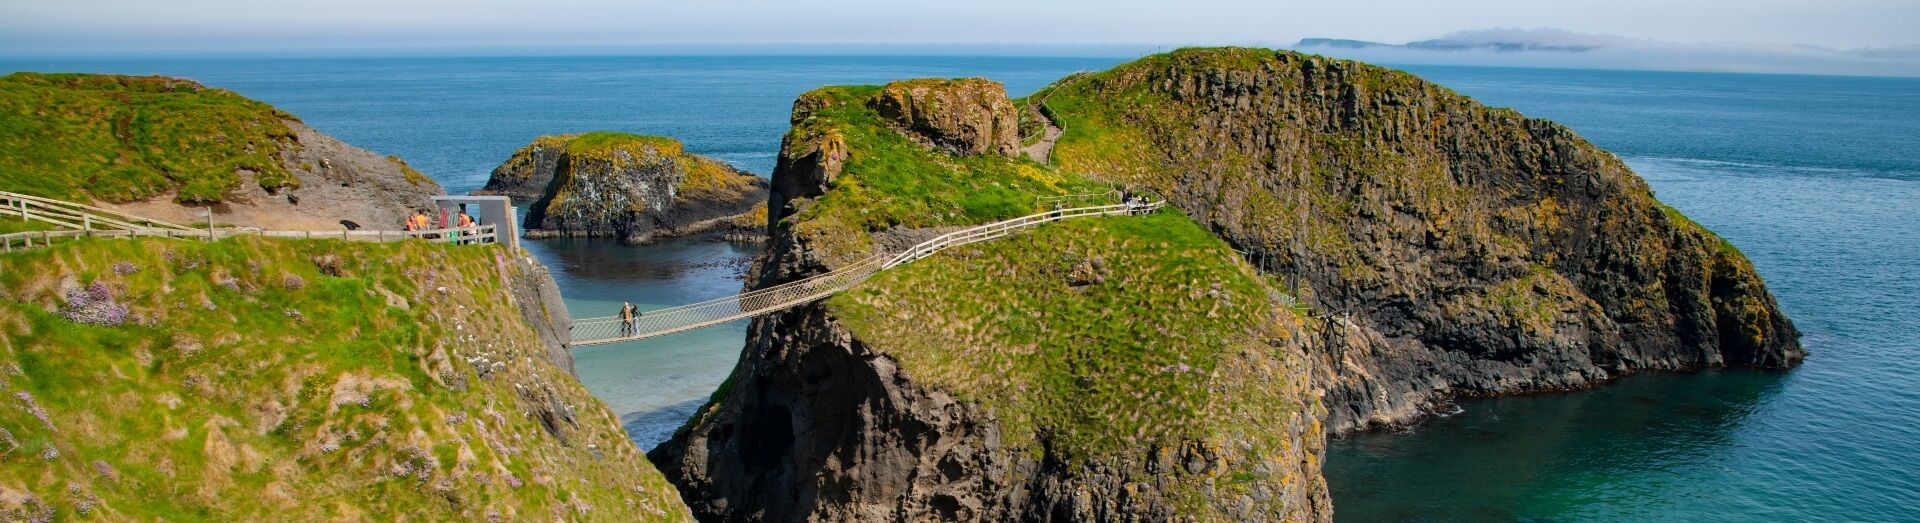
1816 178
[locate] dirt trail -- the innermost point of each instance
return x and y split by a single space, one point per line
1042 151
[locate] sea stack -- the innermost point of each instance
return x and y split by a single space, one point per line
633 187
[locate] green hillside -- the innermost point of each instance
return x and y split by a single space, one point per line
125 138
252 379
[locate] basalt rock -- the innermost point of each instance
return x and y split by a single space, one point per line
1466 250
965 116
632 187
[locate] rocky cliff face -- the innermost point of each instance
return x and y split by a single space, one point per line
1113 369
164 148
635 188
1466 250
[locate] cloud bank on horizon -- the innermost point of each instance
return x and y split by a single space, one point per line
1555 48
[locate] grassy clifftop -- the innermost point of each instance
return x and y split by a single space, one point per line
257 379
1101 336
1124 367
125 138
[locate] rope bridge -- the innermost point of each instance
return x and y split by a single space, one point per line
610 329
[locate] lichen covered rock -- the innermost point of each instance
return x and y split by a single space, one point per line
964 116
632 187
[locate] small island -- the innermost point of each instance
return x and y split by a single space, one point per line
632 187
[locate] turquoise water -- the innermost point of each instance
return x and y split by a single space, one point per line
1817 179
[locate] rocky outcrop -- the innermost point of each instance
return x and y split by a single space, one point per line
632 187
166 148
1464 250
830 419
527 174
965 116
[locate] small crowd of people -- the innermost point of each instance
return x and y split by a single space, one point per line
463 224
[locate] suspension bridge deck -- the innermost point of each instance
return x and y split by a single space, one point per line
611 329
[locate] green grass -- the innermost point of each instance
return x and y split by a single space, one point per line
252 382
891 181
13 224
1127 363
126 138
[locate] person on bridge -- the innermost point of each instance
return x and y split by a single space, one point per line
628 313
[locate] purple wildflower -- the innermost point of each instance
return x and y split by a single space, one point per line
94 305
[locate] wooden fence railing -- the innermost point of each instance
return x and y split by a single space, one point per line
73 215
31 239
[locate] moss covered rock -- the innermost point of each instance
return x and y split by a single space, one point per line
253 379
628 186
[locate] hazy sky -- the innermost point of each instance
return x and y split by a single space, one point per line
149 26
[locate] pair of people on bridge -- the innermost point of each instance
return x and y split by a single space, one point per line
629 314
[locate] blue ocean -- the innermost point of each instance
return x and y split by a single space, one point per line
1816 178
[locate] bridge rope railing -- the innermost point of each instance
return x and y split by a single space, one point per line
610 329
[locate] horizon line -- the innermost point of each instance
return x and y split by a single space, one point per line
812 49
